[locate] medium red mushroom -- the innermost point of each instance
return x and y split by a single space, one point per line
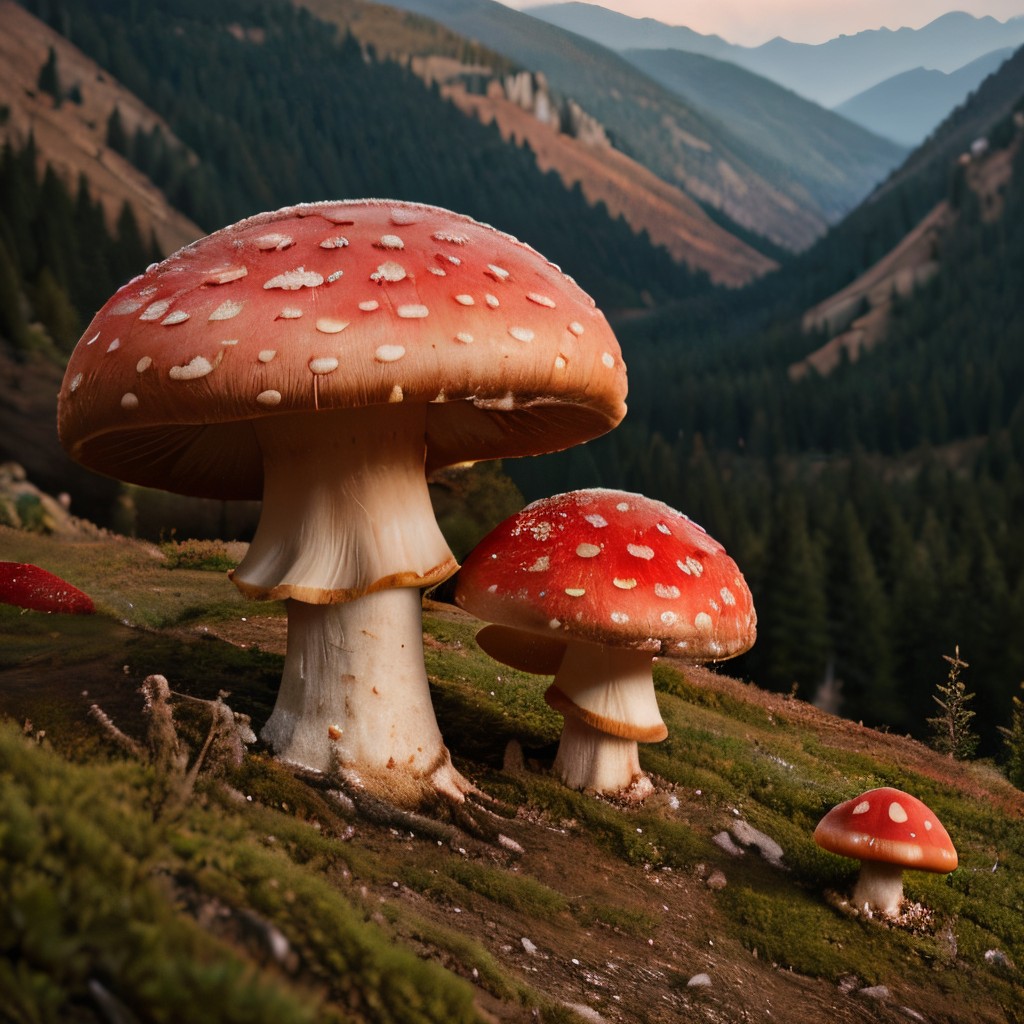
888 831
591 586
28 586
326 357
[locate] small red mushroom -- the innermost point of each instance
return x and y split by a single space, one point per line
590 586
887 830
27 586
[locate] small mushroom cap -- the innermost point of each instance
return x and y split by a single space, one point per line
891 826
337 305
607 567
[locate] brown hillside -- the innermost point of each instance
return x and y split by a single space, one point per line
72 136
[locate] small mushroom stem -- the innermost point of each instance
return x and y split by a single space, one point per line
354 697
879 887
588 759
606 695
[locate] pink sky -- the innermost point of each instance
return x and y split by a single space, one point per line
751 22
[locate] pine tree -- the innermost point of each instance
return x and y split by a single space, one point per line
951 732
1013 740
49 79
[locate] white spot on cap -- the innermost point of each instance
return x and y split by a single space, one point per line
499 273
200 366
623 506
927 824
588 550
541 565
465 300
412 311
541 531
492 300
114 345
76 382
336 275
560 363
227 310
179 316
703 622
619 617
464 337
143 364
336 242
269 397
541 300
575 591
727 596
396 394
608 359
862 808
554 623
448 236
226 274
126 306
666 591
389 271
669 618
267 355
897 812
437 272
289 313
329 325
154 311
624 584
323 364
521 333
662 528
596 520
129 400
640 551
274 240
230 341
369 305
576 328
399 215
691 566
293 280
389 353
390 242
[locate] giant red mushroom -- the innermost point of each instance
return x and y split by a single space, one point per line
590 586
325 358
888 831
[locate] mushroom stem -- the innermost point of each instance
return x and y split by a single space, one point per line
879 887
346 508
606 695
588 759
354 697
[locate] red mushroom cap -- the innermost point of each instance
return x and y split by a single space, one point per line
888 825
329 306
28 586
607 567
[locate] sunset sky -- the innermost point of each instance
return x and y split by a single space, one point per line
751 22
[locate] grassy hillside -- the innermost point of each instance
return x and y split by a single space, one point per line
255 894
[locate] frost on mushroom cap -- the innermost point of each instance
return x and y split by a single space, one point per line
335 305
606 567
890 826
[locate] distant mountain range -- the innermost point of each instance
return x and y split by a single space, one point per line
788 193
906 107
829 73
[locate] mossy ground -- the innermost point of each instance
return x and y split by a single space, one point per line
264 898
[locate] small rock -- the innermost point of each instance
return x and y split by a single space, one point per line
997 957
699 981
878 992
716 880
749 836
725 842
528 946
